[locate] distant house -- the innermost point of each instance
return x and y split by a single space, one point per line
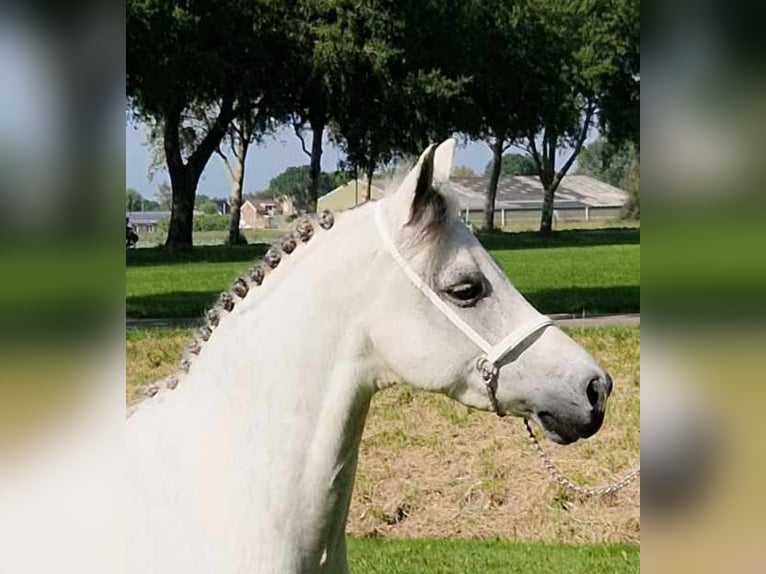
146 221
520 198
266 212
349 195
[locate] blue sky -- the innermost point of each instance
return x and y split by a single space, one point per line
264 162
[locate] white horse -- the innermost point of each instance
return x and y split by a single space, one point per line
248 465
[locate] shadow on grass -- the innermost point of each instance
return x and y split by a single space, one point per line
588 300
203 253
174 304
591 300
497 240
502 240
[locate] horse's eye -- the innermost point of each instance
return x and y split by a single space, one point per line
466 293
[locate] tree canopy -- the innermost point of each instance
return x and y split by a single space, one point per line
463 171
606 162
382 79
190 67
514 164
293 182
582 67
134 201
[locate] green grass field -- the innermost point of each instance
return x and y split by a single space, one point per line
373 556
587 271
182 285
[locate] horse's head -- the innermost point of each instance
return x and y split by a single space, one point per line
461 328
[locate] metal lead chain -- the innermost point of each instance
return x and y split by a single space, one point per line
567 484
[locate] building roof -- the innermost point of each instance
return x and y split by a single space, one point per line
349 195
526 192
150 217
146 217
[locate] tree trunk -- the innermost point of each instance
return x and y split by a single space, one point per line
183 187
184 175
549 179
235 237
181 184
546 221
370 172
489 200
315 167
237 183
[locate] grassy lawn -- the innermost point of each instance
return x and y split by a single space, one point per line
158 285
371 556
453 472
156 238
587 270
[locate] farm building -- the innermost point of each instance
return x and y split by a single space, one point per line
520 198
146 221
349 195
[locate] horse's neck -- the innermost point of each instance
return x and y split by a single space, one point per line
270 416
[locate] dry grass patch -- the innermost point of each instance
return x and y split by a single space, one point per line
480 479
430 467
151 355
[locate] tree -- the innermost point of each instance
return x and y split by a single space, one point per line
606 162
513 164
463 171
293 182
580 76
248 126
315 61
632 184
164 196
206 205
542 75
239 136
500 38
133 200
395 90
193 60
616 165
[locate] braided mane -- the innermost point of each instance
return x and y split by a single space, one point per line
227 300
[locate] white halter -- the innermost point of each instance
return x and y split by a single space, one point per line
491 354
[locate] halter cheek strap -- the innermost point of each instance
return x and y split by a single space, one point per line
491 355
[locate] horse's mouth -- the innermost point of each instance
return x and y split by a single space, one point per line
554 430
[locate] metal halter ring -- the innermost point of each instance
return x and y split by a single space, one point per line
490 372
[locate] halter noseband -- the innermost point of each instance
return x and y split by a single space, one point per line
487 361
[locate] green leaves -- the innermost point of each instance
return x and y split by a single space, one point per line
294 183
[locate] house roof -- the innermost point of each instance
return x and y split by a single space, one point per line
150 217
349 195
526 192
262 204
146 217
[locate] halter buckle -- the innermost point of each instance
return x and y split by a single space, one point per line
490 372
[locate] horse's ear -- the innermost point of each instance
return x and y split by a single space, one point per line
418 199
443 162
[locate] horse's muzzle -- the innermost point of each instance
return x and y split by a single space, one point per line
564 428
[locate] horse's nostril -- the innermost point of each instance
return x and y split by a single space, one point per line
597 391
608 381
